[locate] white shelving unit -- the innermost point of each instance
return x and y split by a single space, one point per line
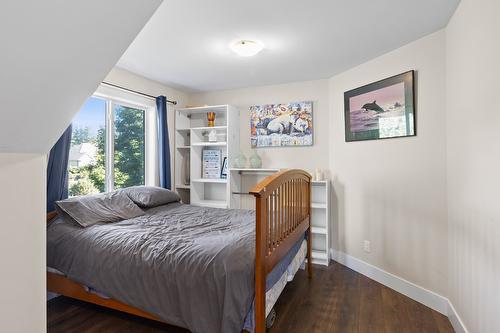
320 217
191 139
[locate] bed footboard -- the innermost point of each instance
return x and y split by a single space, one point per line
283 208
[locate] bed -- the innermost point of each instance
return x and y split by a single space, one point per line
201 268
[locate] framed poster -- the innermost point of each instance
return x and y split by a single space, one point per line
381 110
212 163
281 125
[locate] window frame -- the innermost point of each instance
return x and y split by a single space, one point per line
115 96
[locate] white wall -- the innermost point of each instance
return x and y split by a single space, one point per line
393 192
132 81
307 158
473 127
22 242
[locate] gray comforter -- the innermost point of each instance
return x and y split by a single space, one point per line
190 266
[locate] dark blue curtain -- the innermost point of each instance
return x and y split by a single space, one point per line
57 170
163 143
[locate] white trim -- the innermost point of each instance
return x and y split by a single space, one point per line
428 298
407 288
456 321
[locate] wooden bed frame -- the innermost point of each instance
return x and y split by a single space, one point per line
283 208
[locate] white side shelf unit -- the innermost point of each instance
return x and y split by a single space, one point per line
191 139
320 221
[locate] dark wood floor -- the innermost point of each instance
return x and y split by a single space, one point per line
337 299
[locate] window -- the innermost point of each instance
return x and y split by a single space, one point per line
108 146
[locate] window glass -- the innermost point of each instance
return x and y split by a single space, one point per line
129 146
97 166
86 157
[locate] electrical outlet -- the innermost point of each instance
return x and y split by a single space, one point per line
367 246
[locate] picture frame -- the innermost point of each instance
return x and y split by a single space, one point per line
281 125
211 163
223 172
381 110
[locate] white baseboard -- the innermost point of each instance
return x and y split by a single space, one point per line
456 321
426 297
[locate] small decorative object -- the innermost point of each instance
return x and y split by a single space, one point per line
212 163
212 136
281 125
240 161
318 175
255 160
223 173
211 119
379 110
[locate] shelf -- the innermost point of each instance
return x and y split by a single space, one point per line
209 144
205 128
318 205
210 203
318 230
185 187
183 147
209 180
255 170
204 109
183 129
319 255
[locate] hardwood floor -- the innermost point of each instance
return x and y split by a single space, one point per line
337 299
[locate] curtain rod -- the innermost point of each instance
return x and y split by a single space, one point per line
136 92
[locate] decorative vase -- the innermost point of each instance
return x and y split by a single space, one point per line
255 160
240 161
211 119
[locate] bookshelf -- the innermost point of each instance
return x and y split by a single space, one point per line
191 139
320 221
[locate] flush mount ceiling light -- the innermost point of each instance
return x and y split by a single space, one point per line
246 48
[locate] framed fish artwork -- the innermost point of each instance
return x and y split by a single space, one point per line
381 110
281 125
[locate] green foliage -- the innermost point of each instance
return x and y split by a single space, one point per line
129 147
129 155
80 135
81 183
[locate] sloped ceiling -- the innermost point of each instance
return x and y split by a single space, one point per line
53 55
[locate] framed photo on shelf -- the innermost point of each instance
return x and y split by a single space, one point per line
223 173
381 110
212 163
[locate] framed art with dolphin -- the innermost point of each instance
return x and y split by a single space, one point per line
381 110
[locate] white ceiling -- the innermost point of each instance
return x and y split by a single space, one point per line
54 54
185 44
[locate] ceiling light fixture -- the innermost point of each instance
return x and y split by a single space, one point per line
246 48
